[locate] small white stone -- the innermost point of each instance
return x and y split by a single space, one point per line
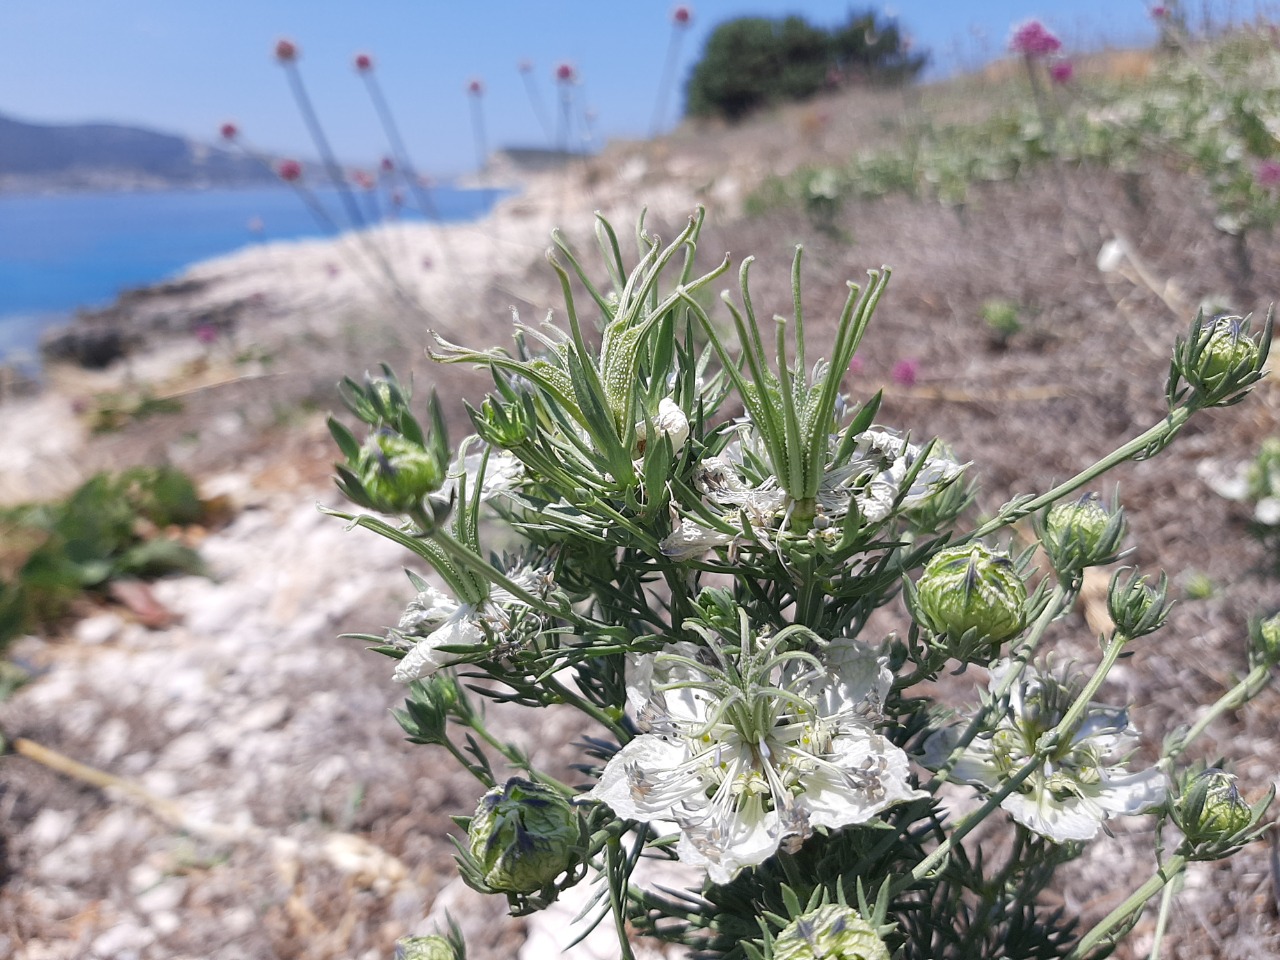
188 751
50 828
124 941
265 716
165 923
98 629
113 738
164 896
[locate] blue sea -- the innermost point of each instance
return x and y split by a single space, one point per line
60 252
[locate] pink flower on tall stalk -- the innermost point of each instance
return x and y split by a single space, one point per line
290 171
904 372
363 179
1032 39
476 87
206 333
286 50
1159 12
364 62
229 131
681 16
564 72
1267 174
1062 71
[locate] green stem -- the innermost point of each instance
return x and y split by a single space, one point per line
1157 436
1067 726
1162 919
965 826
597 714
513 757
1164 875
1244 691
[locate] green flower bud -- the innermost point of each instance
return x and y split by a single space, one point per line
1228 348
523 836
425 948
1211 810
397 473
1135 607
1266 639
970 588
1081 533
832 932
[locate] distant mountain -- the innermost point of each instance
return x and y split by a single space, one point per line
108 156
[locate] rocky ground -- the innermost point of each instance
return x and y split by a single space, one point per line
249 795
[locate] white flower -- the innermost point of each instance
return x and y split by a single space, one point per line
503 471
670 422
434 619
1079 785
751 759
871 481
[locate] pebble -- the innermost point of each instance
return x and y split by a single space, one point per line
164 896
124 941
98 629
188 751
50 828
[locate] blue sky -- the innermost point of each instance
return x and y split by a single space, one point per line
187 66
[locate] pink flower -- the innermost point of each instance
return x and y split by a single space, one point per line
206 333
476 87
1033 39
363 179
525 66
289 170
1062 71
364 62
564 72
229 131
286 50
904 372
388 164
1268 174
856 366
681 16
1159 12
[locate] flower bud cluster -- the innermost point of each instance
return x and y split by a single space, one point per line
1081 533
1214 819
399 465
971 594
524 835
1218 361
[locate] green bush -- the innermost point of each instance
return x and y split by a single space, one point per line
751 62
106 529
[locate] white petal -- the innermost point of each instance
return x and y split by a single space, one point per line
749 837
672 423
1130 793
875 778
858 670
692 540
1059 820
425 658
426 611
975 765
639 782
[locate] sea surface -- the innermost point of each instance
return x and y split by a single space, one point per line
65 251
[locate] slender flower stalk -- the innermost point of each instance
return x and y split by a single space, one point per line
365 68
287 56
475 96
566 77
680 20
525 68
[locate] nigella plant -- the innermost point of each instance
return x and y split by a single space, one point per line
703 526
